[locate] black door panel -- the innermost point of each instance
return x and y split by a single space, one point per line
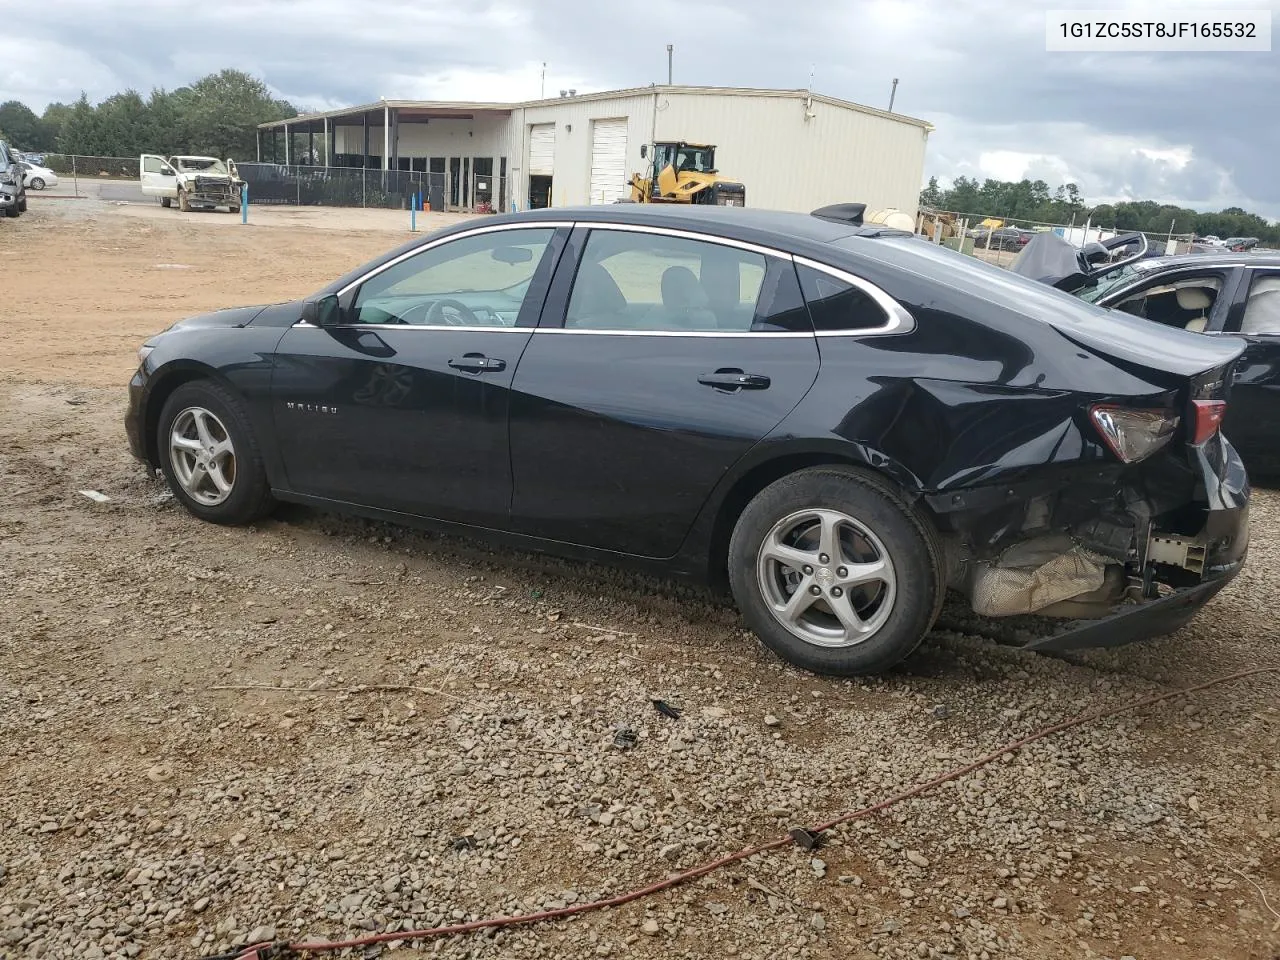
383 418
616 443
1253 413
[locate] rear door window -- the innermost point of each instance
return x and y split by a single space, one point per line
639 281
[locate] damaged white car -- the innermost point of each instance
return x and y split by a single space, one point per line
195 183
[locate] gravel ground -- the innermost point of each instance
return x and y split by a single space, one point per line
324 727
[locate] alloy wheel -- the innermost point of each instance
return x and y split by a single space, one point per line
202 456
826 577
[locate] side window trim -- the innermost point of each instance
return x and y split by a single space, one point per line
899 319
461 235
348 294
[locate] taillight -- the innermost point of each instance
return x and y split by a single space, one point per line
1209 414
1133 434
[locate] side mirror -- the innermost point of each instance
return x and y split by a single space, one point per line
324 312
644 150
167 172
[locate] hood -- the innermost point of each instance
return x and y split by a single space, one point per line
1052 259
233 317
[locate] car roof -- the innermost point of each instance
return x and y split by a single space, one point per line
1260 258
706 218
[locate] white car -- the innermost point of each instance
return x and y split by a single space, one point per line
37 177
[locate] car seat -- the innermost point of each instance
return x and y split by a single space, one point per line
1192 299
684 303
596 302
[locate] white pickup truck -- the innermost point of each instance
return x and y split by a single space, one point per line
196 183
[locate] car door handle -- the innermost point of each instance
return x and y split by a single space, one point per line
478 363
735 380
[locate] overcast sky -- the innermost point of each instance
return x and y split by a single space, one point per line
1201 130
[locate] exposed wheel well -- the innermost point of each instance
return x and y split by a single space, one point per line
756 480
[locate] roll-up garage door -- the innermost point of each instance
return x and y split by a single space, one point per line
608 160
542 149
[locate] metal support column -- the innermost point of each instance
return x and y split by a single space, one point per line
386 138
257 142
327 150
364 157
395 139
286 145
311 146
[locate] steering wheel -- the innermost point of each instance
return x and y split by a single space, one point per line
461 316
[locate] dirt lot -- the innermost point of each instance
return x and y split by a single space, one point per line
194 744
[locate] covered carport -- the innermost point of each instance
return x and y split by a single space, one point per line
462 148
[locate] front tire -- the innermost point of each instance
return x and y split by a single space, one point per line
210 456
183 203
166 202
37 183
835 572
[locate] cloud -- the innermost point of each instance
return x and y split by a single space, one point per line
1196 129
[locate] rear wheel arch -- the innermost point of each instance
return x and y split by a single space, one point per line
743 489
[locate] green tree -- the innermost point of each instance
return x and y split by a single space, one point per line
26 131
931 196
224 110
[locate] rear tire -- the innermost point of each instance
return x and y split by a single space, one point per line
166 202
874 561
210 456
37 183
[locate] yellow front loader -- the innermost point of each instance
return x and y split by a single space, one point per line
685 173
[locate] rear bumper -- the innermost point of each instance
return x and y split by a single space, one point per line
1140 621
1225 534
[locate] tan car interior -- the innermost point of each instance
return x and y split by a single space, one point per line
1262 309
1183 303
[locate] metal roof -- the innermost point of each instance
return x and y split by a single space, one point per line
454 107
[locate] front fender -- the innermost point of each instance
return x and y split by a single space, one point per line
241 359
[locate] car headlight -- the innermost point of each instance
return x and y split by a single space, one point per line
144 351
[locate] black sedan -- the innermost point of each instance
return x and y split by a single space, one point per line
1217 294
837 421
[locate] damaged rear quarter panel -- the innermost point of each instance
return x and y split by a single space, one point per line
957 403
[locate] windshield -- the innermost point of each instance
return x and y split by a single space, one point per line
695 159
202 165
1112 281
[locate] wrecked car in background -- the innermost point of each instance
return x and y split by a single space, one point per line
194 183
1217 293
837 420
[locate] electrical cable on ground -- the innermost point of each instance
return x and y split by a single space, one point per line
264 951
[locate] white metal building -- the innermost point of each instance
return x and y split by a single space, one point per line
793 149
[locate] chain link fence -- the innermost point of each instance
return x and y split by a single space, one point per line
466 190
303 185
999 239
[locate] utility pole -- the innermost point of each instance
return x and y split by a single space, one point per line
669 49
893 93
542 94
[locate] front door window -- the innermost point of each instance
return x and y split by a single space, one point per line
476 281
